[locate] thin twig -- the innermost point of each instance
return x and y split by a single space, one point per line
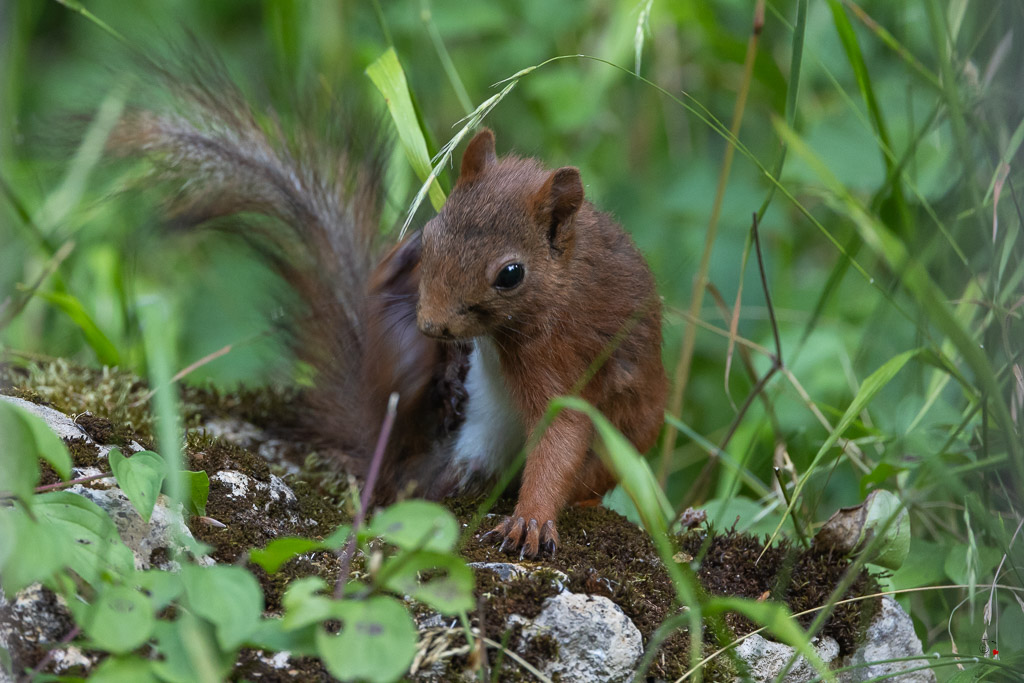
776 358
72 634
481 609
792 512
223 351
364 502
71 482
515 657
698 483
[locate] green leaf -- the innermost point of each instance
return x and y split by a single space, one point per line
880 474
776 618
280 550
26 538
271 635
188 652
8 533
228 597
48 446
416 524
93 544
377 640
159 340
753 516
868 388
197 491
895 546
129 669
161 587
104 349
18 456
449 588
338 538
387 74
923 566
120 620
963 560
303 604
140 478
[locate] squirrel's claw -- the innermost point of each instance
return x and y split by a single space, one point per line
530 538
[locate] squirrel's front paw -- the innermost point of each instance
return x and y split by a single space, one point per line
529 537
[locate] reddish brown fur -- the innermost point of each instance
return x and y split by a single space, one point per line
586 289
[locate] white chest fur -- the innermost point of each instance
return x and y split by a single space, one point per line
492 434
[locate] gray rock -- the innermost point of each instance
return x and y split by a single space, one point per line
273 505
890 635
152 544
33 619
66 428
233 430
506 571
62 425
766 658
596 640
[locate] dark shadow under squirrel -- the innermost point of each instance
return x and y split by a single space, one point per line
513 294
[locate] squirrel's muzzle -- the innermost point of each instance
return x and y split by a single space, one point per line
435 330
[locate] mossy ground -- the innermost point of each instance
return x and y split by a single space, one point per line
601 553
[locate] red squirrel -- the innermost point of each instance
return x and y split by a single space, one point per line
515 292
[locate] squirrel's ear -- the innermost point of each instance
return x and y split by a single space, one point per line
557 202
479 155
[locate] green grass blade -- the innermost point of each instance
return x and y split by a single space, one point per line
915 278
855 57
157 324
871 386
446 60
778 621
69 304
889 40
63 201
629 467
76 6
635 476
387 74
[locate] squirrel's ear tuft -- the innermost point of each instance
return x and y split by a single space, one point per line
479 155
557 202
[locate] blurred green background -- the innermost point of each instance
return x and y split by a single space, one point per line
904 117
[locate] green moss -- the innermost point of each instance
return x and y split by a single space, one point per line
266 407
101 430
110 393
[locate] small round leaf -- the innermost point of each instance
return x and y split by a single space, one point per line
120 620
417 524
377 640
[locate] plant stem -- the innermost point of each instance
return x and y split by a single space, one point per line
682 374
364 501
72 482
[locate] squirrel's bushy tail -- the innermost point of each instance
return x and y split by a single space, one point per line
309 205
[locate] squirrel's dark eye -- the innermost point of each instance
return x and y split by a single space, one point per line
510 276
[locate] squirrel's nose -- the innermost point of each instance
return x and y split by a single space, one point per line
432 329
